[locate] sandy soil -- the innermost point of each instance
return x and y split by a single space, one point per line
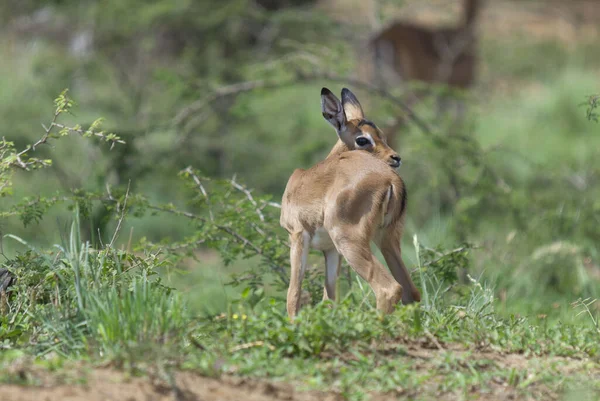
105 384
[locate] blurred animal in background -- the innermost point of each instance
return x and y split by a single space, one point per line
342 204
406 51
273 5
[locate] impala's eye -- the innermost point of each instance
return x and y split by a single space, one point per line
361 141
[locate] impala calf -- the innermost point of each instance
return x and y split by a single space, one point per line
342 204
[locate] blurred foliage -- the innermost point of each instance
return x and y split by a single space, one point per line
144 70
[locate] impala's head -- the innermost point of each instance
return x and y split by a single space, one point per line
356 132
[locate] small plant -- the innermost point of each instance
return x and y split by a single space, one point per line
438 270
585 308
592 104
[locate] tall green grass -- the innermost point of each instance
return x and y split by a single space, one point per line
105 303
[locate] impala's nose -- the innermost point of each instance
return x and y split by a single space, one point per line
395 161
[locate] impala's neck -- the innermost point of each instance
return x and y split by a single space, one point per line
338 148
471 8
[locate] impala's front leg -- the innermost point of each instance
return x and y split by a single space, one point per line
299 247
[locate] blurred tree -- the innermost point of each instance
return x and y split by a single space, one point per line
154 58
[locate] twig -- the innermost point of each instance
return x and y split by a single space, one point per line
248 86
249 196
47 129
123 211
196 343
423 126
100 238
44 140
234 234
251 345
182 245
108 192
239 237
443 255
217 94
196 179
434 340
82 132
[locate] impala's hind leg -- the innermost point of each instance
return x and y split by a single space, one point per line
357 252
299 247
390 248
333 263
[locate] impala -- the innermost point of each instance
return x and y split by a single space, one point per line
405 52
342 204
443 55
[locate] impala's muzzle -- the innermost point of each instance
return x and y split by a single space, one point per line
395 161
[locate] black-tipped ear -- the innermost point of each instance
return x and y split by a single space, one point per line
332 110
351 106
326 92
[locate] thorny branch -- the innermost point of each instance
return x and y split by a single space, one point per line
25 165
47 130
249 196
99 134
239 238
121 218
444 255
196 179
242 87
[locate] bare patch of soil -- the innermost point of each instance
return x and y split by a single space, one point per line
110 385
102 384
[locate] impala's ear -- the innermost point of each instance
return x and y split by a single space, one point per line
351 106
332 110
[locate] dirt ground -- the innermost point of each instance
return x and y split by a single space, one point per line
105 384
109 385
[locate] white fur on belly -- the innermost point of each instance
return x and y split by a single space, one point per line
321 240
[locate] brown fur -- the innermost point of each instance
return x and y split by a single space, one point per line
351 198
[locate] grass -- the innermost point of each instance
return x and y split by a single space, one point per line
461 348
455 344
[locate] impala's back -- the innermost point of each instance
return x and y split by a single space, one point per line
353 181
